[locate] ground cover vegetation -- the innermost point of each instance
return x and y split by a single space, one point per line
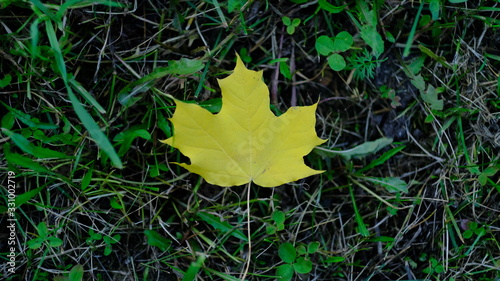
408 100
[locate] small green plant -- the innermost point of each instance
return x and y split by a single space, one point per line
278 218
93 237
486 174
364 64
473 229
296 259
245 56
44 238
390 94
283 67
290 24
435 267
332 47
108 240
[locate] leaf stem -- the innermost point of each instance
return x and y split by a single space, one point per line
249 233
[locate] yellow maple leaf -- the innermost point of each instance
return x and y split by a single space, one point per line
245 141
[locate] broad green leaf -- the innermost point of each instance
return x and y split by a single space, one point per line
5 81
8 121
390 38
287 253
286 20
391 184
54 241
42 229
359 151
418 82
76 273
313 247
373 39
156 240
35 243
336 62
435 7
37 151
87 177
184 66
285 70
278 217
343 41
367 15
115 203
194 268
284 272
431 97
245 142
302 265
416 65
25 197
488 172
62 138
457 1
223 226
301 250
324 45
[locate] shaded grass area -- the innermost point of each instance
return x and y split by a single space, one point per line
86 95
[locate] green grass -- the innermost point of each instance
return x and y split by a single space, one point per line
411 113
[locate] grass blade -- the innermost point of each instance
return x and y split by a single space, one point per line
94 130
381 160
224 227
23 161
86 119
80 89
357 216
411 36
28 147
